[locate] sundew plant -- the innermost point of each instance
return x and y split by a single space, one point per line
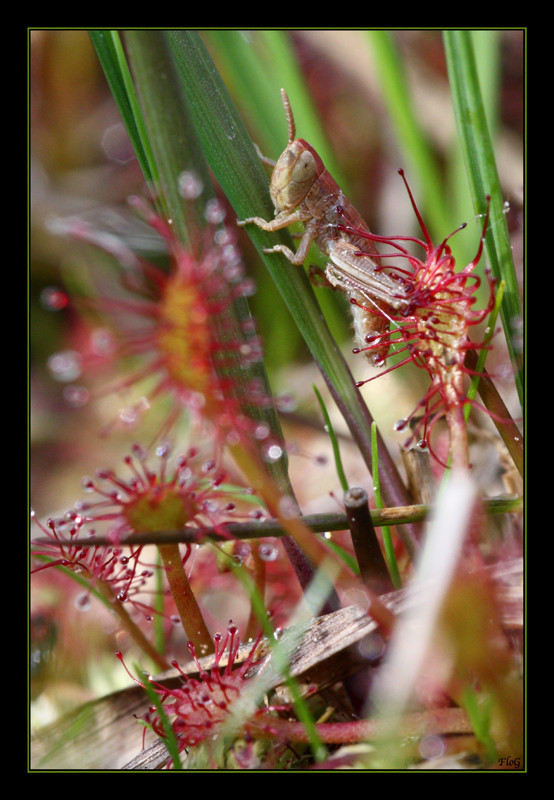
276 500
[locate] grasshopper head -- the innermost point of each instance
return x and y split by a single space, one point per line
295 172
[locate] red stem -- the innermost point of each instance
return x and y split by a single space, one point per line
189 610
433 721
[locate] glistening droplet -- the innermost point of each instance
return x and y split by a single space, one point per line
273 452
53 298
76 396
400 425
214 212
82 601
65 366
268 552
190 185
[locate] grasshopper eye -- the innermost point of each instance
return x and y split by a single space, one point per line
305 167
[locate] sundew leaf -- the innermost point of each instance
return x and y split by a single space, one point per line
155 72
385 531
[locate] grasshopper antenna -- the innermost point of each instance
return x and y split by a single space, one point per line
290 119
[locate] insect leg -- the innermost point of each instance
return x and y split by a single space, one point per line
302 250
264 159
282 220
318 277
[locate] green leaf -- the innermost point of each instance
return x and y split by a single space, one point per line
483 179
171 131
385 531
112 58
412 140
334 442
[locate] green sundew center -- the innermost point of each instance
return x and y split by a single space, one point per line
165 512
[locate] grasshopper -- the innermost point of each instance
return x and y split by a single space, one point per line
302 190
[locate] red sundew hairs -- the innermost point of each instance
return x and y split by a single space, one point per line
200 704
433 323
182 323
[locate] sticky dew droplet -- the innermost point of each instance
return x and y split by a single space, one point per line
400 425
82 601
268 552
53 299
190 185
272 452
214 212
65 366
76 396
288 507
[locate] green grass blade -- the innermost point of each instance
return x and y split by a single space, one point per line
412 140
479 711
334 442
172 135
112 58
387 537
170 739
483 179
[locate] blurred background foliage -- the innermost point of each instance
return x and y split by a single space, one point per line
368 110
